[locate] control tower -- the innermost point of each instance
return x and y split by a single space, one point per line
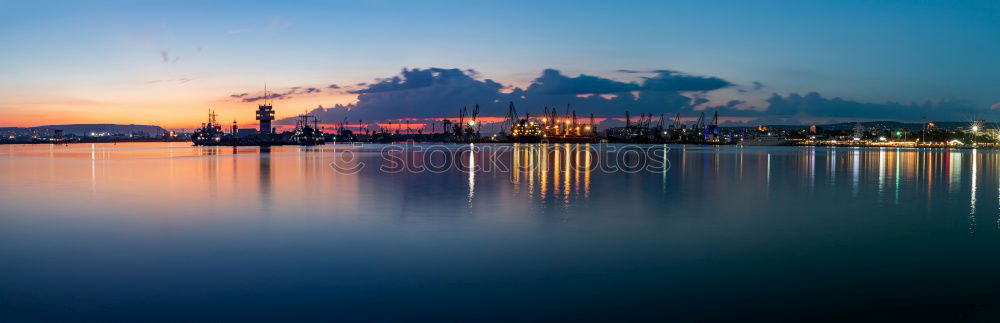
265 113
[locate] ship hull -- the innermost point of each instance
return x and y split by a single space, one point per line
257 143
559 140
768 143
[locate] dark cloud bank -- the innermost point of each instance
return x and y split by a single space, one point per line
439 92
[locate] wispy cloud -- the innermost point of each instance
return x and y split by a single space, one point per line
755 86
165 55
287 94
178 81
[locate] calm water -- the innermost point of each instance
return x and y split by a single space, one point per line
173 232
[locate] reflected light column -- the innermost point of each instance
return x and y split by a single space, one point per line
881 170
855 170
586 174
769 172
833 165
566 173
472 172
972 195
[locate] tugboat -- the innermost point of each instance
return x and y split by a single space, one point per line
210 133
306 134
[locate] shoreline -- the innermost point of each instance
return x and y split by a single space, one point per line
907 146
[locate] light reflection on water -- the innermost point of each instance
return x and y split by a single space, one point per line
128 230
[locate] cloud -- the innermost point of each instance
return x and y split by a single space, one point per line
432 92
271 96
333 86
553 82
755 86
410 79
797 108
287 94
165 55
442 92
178 81
673 81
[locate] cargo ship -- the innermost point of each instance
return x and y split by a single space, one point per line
549 128
767 141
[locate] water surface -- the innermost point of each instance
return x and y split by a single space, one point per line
160 231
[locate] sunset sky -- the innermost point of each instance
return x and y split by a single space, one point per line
168 62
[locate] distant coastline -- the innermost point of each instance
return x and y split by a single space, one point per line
891 134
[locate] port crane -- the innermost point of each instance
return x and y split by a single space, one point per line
461 121
511 118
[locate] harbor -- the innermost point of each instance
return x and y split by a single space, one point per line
306 132
551 127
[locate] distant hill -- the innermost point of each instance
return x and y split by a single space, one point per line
912 126
903 125
84 130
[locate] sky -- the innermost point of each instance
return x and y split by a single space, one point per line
168 62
